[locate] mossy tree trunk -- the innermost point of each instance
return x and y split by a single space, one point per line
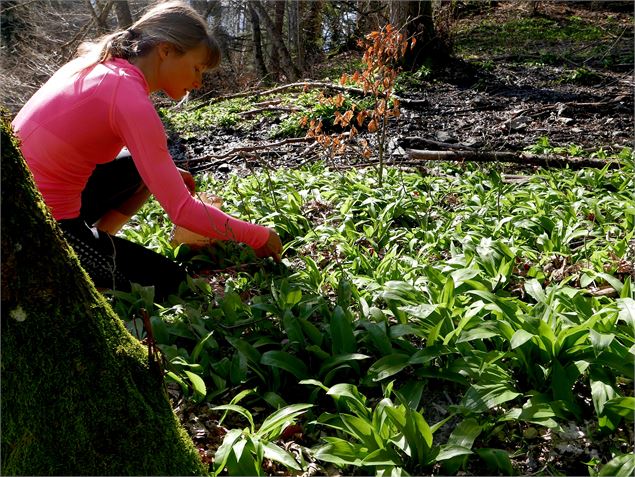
79 396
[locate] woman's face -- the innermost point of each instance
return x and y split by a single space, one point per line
180 73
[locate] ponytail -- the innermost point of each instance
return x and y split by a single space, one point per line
173 22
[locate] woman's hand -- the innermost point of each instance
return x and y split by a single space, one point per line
188 179
272 248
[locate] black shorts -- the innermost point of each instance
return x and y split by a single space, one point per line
113 262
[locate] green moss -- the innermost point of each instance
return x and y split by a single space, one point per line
78 394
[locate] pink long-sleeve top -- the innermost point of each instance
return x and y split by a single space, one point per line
78 120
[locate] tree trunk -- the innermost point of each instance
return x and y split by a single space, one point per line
286 63
100 16
124 17
312 28
415 19
259 61
279 7
79 394
294 33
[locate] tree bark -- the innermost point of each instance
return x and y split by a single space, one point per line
259 61
415 18
294 33
279 7
79 393
312 28
100 17
124 17
286 63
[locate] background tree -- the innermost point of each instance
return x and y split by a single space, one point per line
259 61
416 20
124 17
278 7
312 30
79 394
287 65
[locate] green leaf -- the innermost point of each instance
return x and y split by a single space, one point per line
274 424
252 354
286 361
340 452
200 390
354 399
600 341
497 460
534 290
601 392
379 337
293 328
611 280
275 453
314 382
293 297
381 457
334 361
627 310
421 311
311 331
245 458
622 406
205 342
235 408
482 331
388 366
465 433
410 393
274 399
539 413
448 451
481 397
342 333
520 337
224 450
621 466
362 430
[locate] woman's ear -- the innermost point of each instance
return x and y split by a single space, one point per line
164 49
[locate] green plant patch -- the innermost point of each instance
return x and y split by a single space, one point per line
547 39
516 300
194 119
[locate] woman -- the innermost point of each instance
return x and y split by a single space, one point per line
73 128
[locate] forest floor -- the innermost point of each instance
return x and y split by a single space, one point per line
572 90
565 74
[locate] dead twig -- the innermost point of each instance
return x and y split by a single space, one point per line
269 109
248 149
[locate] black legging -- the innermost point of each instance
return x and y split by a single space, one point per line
110 261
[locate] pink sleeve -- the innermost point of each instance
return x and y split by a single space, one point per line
142 132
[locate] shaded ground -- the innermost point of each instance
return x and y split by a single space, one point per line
575 88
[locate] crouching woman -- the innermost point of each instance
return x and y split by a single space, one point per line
73 129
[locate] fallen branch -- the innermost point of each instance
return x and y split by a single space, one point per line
268 109
523 158
246 149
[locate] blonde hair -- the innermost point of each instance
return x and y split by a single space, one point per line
173 22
